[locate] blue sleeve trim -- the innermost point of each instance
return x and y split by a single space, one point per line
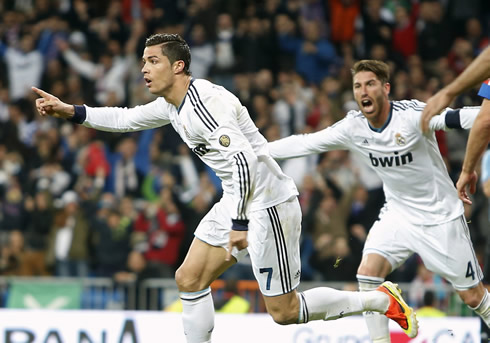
80 114
452 119
485 90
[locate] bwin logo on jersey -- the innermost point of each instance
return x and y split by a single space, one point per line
391 161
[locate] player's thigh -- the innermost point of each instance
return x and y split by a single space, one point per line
205 260
202 265
274 247
388 240
446 249
214 229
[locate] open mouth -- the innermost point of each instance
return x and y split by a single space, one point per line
367 105
147 82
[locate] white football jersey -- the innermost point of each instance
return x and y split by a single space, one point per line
415 179
216 127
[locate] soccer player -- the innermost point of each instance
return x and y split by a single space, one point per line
422 213
479 137
259 209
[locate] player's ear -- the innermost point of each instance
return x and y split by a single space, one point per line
179 66
387 87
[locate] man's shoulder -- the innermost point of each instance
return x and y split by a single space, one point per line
413 105
205 90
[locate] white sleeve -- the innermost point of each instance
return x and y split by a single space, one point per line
454 119
119 119
331 138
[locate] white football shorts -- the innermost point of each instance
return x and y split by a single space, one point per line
273 242
445 249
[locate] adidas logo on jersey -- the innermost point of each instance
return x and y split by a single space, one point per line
391 161
365 142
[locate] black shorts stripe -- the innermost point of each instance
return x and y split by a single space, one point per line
283 241
281 250
278 250
468 237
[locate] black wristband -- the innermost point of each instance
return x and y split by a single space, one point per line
452 119
239 225
80 114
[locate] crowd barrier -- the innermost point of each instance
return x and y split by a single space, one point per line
154 294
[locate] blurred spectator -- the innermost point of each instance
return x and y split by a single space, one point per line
290 111
126 174
435 34
12 255
161 231
254 45
51 176
405 31
68 244
475 35
343 14
429 306
229 301
376 24
39 220
24 65
111 241
203 54
425 279
315 55
12 210
224 63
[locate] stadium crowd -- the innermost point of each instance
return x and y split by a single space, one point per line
80 202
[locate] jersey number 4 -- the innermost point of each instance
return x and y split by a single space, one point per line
470 271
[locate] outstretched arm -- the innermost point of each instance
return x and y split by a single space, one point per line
477 143
475 73
112 119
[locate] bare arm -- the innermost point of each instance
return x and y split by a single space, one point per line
476 72
477 143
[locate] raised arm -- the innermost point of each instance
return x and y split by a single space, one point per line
474 74
477 143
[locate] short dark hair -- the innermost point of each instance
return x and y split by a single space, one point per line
173 46
379 68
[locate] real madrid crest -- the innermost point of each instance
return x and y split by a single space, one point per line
399 139
224 140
